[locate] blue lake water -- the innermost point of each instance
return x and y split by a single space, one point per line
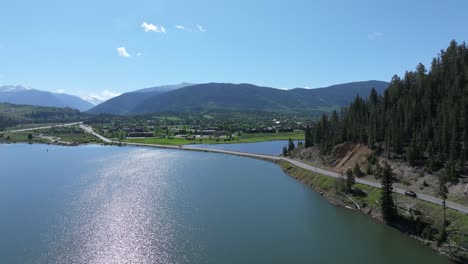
94 204
266 147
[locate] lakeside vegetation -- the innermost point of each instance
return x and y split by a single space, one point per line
421 121
69 135
418 218
12 115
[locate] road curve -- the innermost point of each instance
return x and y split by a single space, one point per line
90 130
420 196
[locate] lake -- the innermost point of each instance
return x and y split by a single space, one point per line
274 148
95 204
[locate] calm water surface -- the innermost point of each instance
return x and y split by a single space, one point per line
267 147
93 204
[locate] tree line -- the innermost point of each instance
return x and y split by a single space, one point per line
421 118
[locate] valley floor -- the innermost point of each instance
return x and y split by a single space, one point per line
244 138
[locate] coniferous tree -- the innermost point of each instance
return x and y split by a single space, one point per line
389 210
443 193
285 151
422 116
309 139
357 170
378 170
350 180
291 145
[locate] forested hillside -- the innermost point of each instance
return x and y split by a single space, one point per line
11 115
247 97
421 118
125 103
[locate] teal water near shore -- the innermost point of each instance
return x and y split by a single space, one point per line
95 204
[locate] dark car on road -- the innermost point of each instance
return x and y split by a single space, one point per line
410 193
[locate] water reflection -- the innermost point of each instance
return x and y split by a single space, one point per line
137 205
123 216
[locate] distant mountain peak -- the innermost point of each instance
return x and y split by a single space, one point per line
164 88
13 88
125 102
92 100
17 94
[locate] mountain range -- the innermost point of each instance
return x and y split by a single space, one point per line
235 97
125 103
26 96
189 97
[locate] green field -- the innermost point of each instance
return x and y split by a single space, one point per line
20 137
69 134
244 138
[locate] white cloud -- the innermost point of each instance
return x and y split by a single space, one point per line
60 91
375 35
123 52
201 28
180 27
139 54
154 28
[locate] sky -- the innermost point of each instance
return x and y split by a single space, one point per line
104 48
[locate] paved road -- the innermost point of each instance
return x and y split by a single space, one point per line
89 129
420 196
37 128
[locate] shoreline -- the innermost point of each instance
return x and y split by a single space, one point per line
322 185
315 180
212 142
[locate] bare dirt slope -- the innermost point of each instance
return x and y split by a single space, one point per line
417 179
346 155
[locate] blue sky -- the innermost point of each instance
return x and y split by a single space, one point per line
73 45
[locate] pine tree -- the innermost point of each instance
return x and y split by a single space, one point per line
291 145
350 180
443 193
378 170
285 151
422 116
309 139
431 163
387 204
411 154
373 97
453 174
357 170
